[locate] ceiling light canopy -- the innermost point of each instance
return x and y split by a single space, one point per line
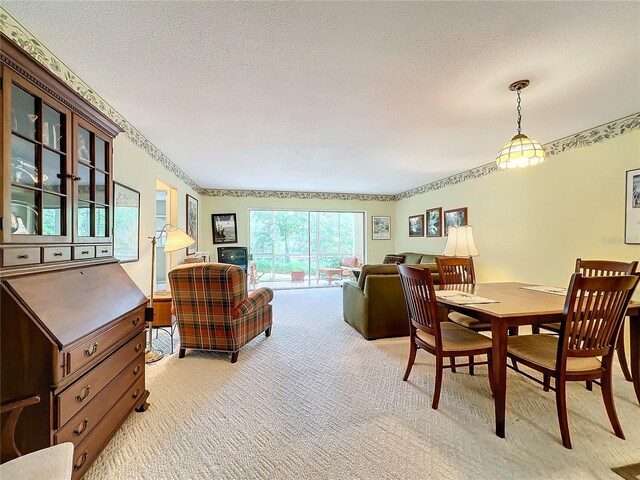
521 151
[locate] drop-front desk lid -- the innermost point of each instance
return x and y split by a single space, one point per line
72 303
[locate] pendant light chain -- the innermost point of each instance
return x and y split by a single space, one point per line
519 111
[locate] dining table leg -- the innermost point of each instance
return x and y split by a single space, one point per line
499 342
634 339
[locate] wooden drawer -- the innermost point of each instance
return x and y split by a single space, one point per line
80 426
85 389
56 254
104 251
84 251
88 450
92 348
12 257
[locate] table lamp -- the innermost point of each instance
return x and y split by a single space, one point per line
176 240
460 243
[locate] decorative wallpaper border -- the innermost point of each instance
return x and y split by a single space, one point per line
586 138
13 29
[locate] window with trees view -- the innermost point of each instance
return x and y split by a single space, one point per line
282 242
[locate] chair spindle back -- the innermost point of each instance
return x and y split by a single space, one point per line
593 311
456 270
420 297
600 268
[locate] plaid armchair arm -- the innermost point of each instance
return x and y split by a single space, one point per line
254 302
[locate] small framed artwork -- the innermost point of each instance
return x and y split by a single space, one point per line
225 229
455 218
632 211
192 223
126 223
416 226
434 222
381 228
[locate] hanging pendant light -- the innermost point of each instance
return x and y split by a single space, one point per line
521 151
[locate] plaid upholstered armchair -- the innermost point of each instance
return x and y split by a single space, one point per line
213 309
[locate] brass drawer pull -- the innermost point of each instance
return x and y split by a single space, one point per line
138 347
84 393
136 321
25 256
89 352
81 428
136 393
57 254
83 459
85 252
136 370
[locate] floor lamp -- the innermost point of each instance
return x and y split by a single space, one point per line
176 240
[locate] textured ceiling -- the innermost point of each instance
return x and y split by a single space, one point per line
345 97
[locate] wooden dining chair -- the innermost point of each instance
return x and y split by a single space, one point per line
460 271
591 319
442 339
598 268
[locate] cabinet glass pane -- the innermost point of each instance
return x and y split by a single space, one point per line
101 221
52 171
101 187
23 162
52 206
101 154
84 145
24 211
84 184
23 112
53 128
84 219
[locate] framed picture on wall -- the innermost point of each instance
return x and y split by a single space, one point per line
434 222
192 223
416 226
381 228
632 210
455 218
225 229
126 223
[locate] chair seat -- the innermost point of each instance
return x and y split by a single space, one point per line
456 338
53 463
554 327
467 321
542 350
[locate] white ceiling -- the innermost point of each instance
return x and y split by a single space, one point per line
353 97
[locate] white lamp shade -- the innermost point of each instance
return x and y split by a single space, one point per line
521 151
460 243
177 239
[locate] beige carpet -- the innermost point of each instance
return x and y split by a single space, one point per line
317 401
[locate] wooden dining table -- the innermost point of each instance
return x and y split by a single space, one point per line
517 306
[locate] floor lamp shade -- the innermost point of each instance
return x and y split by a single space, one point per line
177 240
460 243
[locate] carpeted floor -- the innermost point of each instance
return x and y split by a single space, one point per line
317 401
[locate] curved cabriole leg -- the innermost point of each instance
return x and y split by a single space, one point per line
412 358
561 404
234 356
436 392
607 396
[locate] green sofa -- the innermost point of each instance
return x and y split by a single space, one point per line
374 305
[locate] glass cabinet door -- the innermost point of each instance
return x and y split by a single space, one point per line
39 166
93 181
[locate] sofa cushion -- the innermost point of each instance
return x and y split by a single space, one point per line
375 270
393 258
412 258
428 259
348 262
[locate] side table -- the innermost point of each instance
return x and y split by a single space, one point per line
162 318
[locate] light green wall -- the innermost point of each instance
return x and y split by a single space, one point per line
375 249
531 224
136 169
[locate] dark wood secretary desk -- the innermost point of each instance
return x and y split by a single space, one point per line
71 319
